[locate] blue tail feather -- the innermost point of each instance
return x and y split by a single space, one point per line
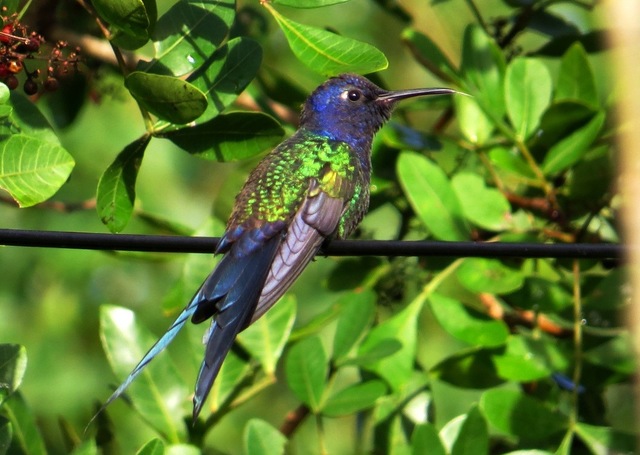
234 313
230 293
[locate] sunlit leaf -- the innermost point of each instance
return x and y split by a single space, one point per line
528 89
158 393
431 196
485 207
13 363
117 186
475 124
327 53
32 170
153 447
488 275
397 367
168 97
356 315
307 369
354 398
467 325
473 436
425 439
260 438
265 338
520 415
229 137
510 160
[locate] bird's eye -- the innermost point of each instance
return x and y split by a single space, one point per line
354 95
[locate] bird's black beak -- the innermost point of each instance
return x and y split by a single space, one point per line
397 95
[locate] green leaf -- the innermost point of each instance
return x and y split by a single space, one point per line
327 53
397 368
354 398
572 148
88 447
265 338
117 186
429 55
226 74
127 15
13 363
153 447
260 438
375 352
431 196
528 89
473 436
467 325
6 435
189 33
519 415
510 160
575 80
307 368
611 291
605 440
32 170
520 362
356 315
168 97
475 125
483 66
541 295
308 3
485 207
26 436
232 375
28 120
471 369
229 137
615 354
488 275
425 440
159 393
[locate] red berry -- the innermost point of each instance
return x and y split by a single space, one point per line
6 31
11 82
51 84
30 87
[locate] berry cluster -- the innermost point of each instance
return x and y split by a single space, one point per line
19 47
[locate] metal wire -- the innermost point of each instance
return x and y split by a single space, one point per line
179 244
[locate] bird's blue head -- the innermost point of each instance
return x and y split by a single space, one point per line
350 108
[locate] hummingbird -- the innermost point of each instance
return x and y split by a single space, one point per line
311 187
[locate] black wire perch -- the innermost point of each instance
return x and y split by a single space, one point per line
181 244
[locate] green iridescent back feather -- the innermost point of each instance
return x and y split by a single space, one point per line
277 187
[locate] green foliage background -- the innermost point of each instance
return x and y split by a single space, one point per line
364 355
